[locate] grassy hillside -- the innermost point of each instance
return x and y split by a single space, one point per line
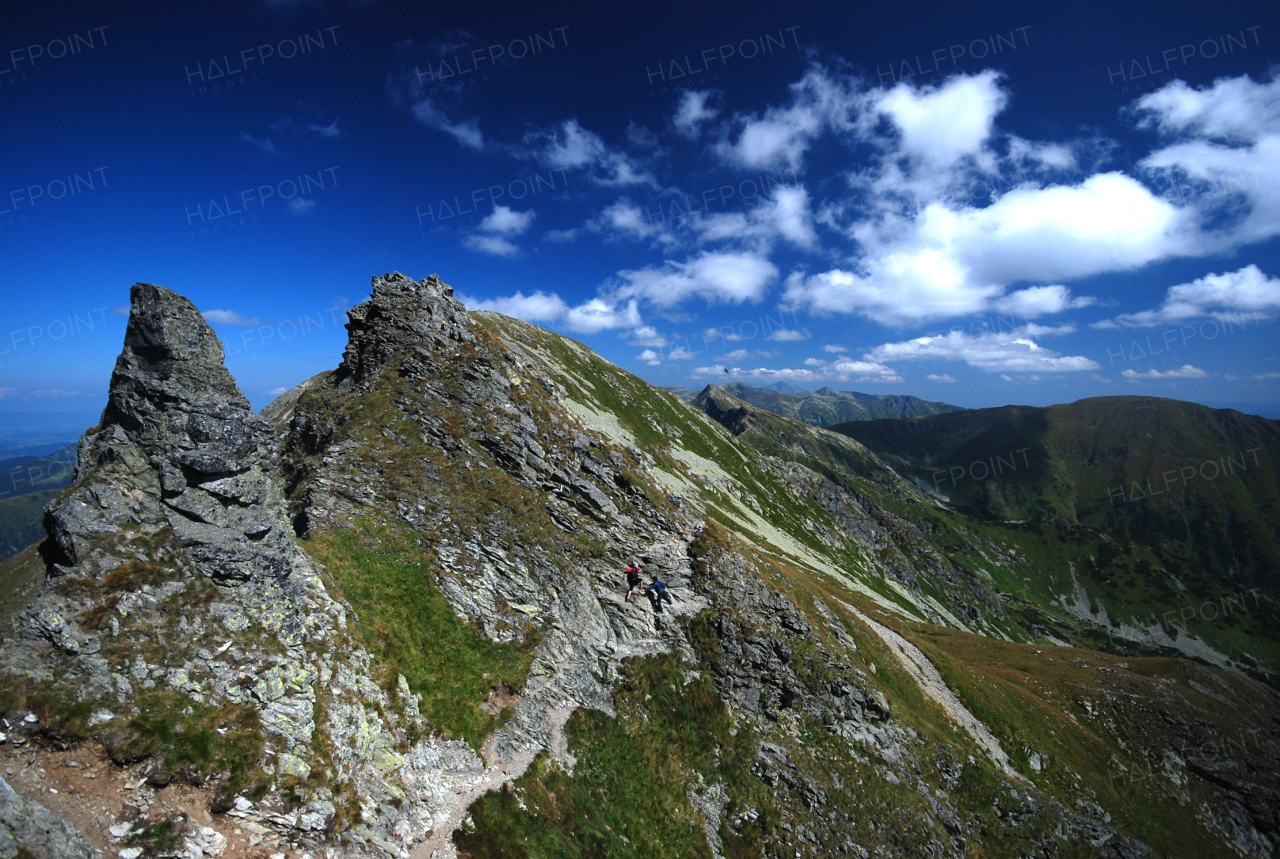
1184 498
27 484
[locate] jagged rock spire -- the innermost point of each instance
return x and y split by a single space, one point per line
174 407
171 360
401 313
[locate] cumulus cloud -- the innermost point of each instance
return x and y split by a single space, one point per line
538 307
590 317
229 317
504 221
1042 156
941 124
954 262
934 377
1008 351
1226 296
691 111
1040 301
496 230
493 245
466 132
1225 137
650 357
782 135
599 314
646 335
784 214
843 370
570 146
731 277
831 347
1186 371
787 335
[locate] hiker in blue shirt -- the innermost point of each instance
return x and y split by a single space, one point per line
657 592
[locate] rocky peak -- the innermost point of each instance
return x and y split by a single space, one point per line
171 364
176 418
401 314
724 408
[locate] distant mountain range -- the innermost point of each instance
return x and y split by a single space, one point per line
27 483
1189 491
826 406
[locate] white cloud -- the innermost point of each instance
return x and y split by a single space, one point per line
1051 156
504 221
646 335
787 335
783 135
1233 109
590 317
302 206
814 362
732 277
7 392
1039 301
538 307
650 357
934 377
466 132
843 370
710 334
624 219
1186 371
492 245
1229 295
691 111
228 317
680 354
783 214
736 355
275 392
55 393
831 347
570 146
991 351
939 125
955 262
1227 160
598 314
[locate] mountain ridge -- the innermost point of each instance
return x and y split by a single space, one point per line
392 605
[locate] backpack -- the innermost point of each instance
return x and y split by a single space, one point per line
633 576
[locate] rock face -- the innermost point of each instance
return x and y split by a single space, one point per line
27 824
178 496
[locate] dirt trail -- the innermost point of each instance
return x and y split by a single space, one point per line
439 844
932 684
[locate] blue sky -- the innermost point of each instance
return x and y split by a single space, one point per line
978 206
